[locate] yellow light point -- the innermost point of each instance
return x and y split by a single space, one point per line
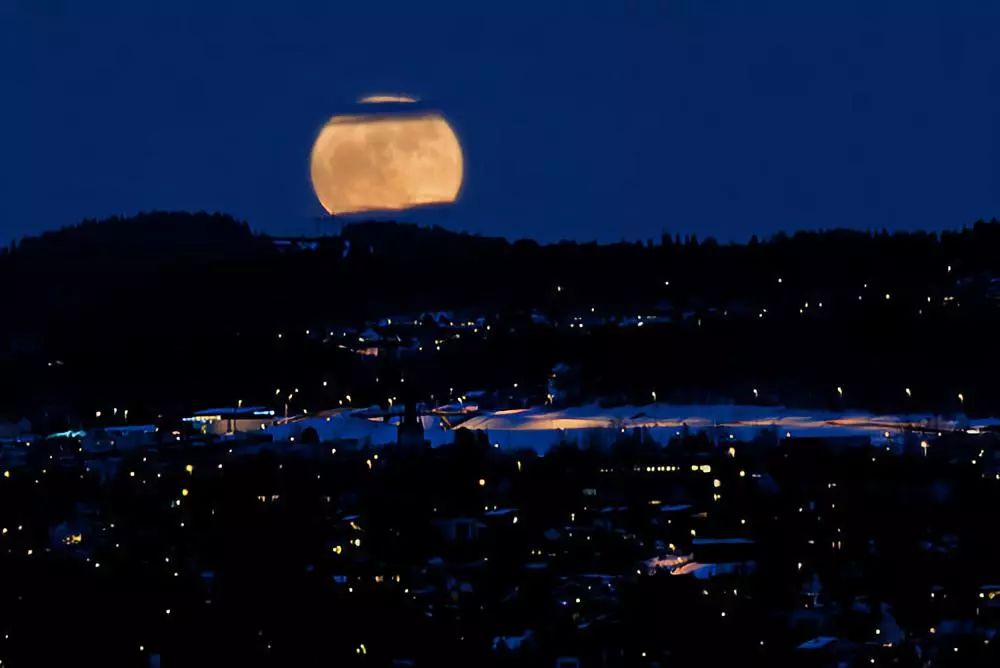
337 549
6 474
184 492
482 482
716 483
189 468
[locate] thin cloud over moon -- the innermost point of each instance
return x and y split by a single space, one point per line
387 97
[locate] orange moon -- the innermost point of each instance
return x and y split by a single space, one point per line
385 162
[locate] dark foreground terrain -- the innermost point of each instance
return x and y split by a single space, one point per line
768 553
235 551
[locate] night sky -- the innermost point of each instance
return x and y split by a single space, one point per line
715 117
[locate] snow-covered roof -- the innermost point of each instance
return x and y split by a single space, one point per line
818 642
130 429
233 411
676 508
721 541
500 512
703 571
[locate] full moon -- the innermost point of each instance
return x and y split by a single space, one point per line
386 161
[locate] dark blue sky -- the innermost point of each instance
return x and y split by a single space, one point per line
616 120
